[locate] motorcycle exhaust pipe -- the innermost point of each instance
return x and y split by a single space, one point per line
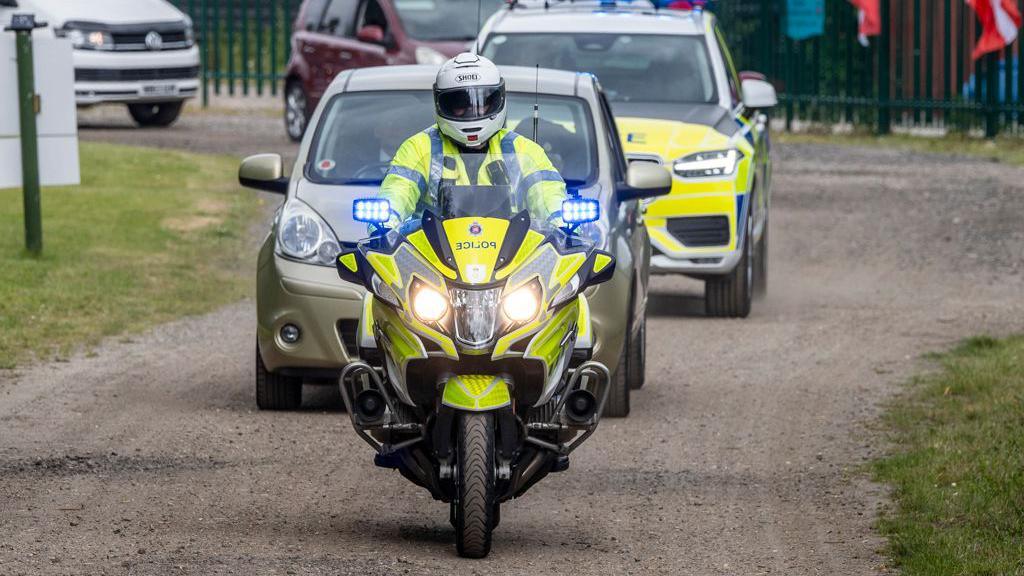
580 406
370 405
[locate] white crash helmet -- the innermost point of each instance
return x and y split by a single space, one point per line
469 99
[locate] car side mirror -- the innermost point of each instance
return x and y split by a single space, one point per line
371 34
9 3
645 180
263 172
758 94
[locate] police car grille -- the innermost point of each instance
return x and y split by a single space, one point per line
700 231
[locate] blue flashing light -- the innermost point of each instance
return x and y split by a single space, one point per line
371 210
580 211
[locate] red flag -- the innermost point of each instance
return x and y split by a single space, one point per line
869 18
1000 20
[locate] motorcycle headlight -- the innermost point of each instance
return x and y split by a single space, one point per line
303 235
476 313
428 304
523 304
715 164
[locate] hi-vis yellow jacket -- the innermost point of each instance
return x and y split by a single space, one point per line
419 167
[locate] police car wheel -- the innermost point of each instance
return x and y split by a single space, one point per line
158 114
637 360
761 269
276 391
730 295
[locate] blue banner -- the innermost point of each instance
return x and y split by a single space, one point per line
805 18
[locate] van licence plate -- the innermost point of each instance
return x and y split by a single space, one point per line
160 90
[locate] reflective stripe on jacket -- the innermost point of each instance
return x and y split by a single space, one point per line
417 170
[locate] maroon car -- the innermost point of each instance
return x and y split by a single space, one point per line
335 35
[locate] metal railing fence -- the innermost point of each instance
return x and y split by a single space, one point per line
917 74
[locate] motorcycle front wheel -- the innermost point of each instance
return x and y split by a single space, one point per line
476 506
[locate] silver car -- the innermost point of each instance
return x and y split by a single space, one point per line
309 319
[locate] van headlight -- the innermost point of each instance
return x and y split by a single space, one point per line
190 33
87 39
719 163
303 235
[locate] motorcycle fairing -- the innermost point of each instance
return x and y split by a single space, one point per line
476 392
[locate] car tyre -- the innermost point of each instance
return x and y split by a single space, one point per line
296 111
730 296
636 362
617 405
155 114
276 391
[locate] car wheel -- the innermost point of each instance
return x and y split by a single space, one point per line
276 391
730 296
296 113
636 361
159 114
617 405
761 274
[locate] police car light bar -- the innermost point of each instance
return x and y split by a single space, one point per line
580 211
371 210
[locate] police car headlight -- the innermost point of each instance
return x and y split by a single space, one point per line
303 235
715 164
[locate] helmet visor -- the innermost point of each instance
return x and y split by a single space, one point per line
467 104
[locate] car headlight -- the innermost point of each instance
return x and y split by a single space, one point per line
427 55
303 235
708 164
87 39
428 304
523 304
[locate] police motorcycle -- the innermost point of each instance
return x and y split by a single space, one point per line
476 379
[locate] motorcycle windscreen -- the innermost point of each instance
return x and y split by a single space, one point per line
476 201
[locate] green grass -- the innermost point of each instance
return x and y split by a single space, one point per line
1008 150
149 235
958 469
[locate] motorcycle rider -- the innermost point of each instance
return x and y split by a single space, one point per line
470 145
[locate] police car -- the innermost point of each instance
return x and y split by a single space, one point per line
678 102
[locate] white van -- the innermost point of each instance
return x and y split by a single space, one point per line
137 52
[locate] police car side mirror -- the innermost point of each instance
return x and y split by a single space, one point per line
758 94
645 180
263 172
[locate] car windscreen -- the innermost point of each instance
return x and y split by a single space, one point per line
359 133
438 20
630 67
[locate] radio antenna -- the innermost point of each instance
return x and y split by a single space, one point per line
479 24
536 102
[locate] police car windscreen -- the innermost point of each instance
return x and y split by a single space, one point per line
359 133
433 20
630 67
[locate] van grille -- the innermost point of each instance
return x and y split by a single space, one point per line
135 74
700 231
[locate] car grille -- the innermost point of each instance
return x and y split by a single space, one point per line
700 231
136 40
135 74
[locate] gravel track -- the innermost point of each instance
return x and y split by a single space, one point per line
743 455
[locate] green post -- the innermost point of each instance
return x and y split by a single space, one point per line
22 25
884 112
992 93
